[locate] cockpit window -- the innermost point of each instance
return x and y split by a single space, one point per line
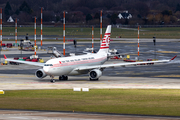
48 64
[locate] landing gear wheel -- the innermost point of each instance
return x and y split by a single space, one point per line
60 78
63 77
53 81
66 78
93 79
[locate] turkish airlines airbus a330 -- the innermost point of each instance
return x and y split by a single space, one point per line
91 63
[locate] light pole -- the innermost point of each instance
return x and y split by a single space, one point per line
21 47
154 40
75 43
0 53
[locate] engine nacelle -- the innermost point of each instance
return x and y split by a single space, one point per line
95 74
40 73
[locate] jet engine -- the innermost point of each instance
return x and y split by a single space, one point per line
95 74
40 73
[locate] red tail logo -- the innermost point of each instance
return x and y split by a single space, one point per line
105 42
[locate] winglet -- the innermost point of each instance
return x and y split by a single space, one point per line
5 57
174 57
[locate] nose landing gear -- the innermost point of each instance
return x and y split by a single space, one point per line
52 79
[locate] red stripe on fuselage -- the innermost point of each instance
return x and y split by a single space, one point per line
78 62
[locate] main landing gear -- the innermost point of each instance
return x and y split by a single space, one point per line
63 77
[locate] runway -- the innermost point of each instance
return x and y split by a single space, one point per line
45 115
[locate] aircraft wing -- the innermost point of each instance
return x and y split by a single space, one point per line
120 64
25 62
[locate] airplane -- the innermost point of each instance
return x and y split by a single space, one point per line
92 63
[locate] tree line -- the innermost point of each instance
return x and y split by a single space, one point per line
87 12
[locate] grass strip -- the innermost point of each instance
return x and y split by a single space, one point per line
167 32
164 102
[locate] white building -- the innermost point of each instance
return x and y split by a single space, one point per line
124 15
10 19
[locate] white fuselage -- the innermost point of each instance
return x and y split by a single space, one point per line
66 65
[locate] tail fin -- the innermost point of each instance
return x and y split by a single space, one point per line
5 57
106 41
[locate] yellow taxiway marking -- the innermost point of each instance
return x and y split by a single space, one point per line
166 52
132 54
167 76
13 84
16 76
132 73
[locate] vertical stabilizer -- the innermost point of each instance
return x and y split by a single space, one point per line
106 41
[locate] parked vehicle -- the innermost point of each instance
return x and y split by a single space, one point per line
9 45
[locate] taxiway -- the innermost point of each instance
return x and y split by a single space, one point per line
160 76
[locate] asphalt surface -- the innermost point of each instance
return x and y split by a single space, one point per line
164 50
46 115
159 76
